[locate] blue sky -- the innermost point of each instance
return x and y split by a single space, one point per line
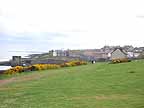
42 25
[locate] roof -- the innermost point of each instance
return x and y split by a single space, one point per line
120 50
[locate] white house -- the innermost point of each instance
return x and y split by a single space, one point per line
130 54
54 53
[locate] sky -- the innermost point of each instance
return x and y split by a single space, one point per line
42 25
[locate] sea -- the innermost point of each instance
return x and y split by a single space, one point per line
5 67
8 56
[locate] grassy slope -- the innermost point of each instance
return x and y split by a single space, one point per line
100 85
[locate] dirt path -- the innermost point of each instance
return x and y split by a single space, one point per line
20 79
25 78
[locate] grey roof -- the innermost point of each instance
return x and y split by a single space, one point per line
120 50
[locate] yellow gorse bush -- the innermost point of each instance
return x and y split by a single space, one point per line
73 63
38 67
14 70
44 66
120 60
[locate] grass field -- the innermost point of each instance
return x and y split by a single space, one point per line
99 85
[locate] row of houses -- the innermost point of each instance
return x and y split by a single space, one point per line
104 54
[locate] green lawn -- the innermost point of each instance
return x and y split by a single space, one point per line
99 85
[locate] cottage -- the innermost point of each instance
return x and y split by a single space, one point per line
118 53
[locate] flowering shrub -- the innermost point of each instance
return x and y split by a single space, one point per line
44 66
38 67
74 63
120 60
14 70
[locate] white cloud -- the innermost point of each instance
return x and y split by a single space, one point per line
84 23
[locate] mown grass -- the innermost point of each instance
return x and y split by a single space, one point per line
99 85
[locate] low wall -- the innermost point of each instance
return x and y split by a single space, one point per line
1 71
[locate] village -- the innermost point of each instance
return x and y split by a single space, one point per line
103 54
